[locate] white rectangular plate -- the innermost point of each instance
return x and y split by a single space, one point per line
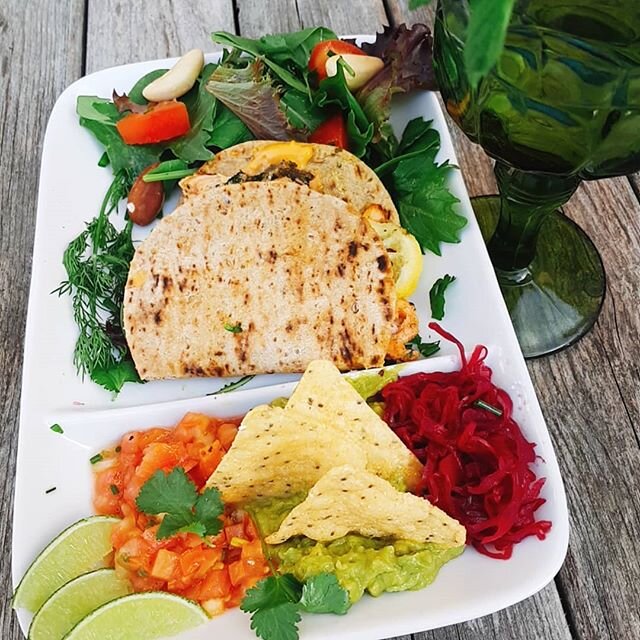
71 189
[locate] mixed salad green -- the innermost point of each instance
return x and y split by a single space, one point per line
264 88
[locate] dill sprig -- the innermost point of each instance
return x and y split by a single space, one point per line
97 266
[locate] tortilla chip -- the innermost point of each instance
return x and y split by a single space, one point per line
351 500
323 395
277 454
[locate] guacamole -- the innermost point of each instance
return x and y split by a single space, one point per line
360 564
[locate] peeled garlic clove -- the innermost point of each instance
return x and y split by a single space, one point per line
178 80
363 67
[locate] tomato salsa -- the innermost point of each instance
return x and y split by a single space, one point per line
215 571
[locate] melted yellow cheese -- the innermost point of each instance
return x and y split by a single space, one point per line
296 152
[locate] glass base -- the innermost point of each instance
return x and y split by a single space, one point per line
556 299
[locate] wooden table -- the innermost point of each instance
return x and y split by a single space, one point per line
590 393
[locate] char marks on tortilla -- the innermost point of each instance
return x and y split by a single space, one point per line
255 278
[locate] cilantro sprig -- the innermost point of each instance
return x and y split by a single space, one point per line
275 603
184 509
436 296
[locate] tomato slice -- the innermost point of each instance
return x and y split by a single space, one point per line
323 50
162 121
332 131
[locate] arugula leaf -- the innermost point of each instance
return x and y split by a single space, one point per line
323 594
425 349
436 296
286 54
175 496
113 377
99 116
300 110
135 95
228 129
192 146
334 91
418 187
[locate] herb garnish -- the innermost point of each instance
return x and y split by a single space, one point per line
232 386
436 296
233 328
425 349
418 186
176 496
56 428
95 459
275 603
97 266
481 404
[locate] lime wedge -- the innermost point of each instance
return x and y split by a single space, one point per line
75 601
141 616
81 548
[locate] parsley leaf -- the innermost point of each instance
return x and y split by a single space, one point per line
113 376
277 623
272 591
175 495
436 296
233 328
275 603
323 594
425 349
418 187
208 507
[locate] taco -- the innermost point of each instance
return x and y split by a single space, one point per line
332 171
261 277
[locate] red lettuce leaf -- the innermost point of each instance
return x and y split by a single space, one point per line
247 92
407 54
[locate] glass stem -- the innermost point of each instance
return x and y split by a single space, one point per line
526 199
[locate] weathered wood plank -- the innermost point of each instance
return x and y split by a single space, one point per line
120 32
40 54
592 406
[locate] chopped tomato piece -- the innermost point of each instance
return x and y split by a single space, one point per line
185 563
332 131
161 121
323 50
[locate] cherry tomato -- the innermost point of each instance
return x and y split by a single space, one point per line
162 121
323 50
332 131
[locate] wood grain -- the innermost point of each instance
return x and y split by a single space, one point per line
40 54
590 394
119 32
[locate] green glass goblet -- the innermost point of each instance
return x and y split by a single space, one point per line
561 105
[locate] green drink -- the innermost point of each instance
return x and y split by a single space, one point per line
561 105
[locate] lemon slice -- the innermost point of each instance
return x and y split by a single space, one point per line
81 548
405 255
141 616
75 601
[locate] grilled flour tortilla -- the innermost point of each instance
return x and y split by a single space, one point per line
334 171
258 277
